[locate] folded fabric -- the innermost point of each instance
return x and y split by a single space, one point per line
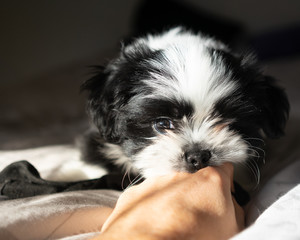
56 216
281 221
21 179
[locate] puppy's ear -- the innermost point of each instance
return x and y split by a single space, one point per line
101 104
274 108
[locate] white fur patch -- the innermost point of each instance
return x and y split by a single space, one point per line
116 154
166 154
194 76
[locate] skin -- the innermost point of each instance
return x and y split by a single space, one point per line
178 206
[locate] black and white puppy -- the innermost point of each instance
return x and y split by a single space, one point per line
180 101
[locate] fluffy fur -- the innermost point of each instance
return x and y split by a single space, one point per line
180 101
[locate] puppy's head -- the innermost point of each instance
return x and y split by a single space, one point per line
180 101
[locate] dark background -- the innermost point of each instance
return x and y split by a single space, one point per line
46 46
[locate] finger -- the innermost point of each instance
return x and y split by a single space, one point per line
239 214
229 170
151 186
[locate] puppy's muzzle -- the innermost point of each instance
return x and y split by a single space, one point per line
197 159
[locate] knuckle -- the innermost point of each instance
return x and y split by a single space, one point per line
214 175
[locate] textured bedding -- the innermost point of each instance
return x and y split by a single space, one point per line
275 212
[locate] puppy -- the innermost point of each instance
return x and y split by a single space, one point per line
180 101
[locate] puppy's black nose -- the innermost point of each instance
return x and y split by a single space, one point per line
197 159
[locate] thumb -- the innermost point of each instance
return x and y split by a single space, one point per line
228 170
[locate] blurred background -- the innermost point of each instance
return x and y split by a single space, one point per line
47 46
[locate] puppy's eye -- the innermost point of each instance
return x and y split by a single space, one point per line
162 124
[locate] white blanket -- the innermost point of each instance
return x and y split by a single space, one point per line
276 219
75 215
280 221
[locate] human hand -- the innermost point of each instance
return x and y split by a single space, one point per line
178 206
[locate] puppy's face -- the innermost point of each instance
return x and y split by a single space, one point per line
181 102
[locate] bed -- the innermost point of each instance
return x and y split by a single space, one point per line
273 213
